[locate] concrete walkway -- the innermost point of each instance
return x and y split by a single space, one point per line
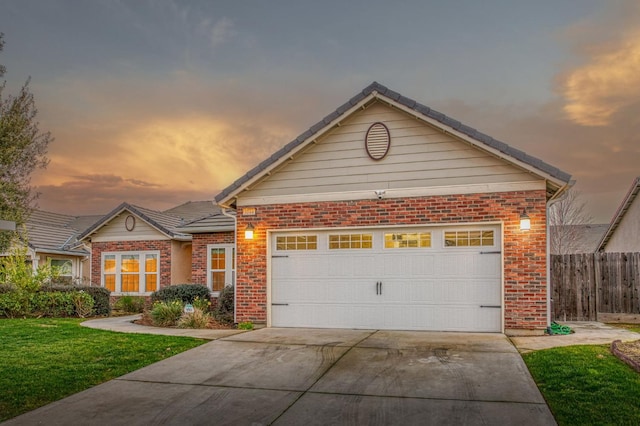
125 324
585 333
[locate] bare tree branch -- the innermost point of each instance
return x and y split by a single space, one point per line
565 218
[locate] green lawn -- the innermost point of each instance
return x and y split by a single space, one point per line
630 327
43 360
586 385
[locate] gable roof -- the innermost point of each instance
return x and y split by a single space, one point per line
165 222
56 233
619 215
376 91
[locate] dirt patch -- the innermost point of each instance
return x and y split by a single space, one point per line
628 352
213 324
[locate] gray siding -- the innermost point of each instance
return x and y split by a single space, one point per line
626 237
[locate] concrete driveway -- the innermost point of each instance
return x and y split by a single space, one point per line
318 377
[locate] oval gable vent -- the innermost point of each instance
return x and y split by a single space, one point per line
377 141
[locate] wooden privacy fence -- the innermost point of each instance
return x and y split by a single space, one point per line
584 285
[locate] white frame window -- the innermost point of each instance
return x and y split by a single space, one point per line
221 266
124 273
64 266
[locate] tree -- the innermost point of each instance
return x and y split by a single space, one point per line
23 149
567 218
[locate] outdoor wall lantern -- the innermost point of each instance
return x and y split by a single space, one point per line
525 221
248 232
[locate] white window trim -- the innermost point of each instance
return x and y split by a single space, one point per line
229 270
118 287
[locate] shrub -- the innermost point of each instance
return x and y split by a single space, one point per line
166 314
14 304
100 295
203 304
83 303
183 292
247 325
52 304
45 304
132 304
196 319
224 310
16 270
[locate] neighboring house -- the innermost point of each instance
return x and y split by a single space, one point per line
213 250
623 234
387 214
576 239
52 238
137 250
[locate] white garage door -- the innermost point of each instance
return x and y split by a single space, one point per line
446 279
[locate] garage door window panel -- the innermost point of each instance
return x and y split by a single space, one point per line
350 241
473 238
407 240
297 242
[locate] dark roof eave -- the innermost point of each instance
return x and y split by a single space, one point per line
207 229
63 252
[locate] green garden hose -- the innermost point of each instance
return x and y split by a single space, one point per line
556 328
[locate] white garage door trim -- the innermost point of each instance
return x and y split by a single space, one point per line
437 248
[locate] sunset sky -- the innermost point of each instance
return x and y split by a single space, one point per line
160 102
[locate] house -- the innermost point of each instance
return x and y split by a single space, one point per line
387 214
576 239
135 250
213 250
623 233
51 238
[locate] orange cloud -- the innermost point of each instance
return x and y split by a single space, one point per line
609 79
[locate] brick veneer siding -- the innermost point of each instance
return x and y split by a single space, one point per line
524 276
199 253
164 246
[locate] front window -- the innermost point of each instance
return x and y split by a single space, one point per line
221 260
63 266
130 272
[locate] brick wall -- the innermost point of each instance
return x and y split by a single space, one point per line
199 253
524 251
164 246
